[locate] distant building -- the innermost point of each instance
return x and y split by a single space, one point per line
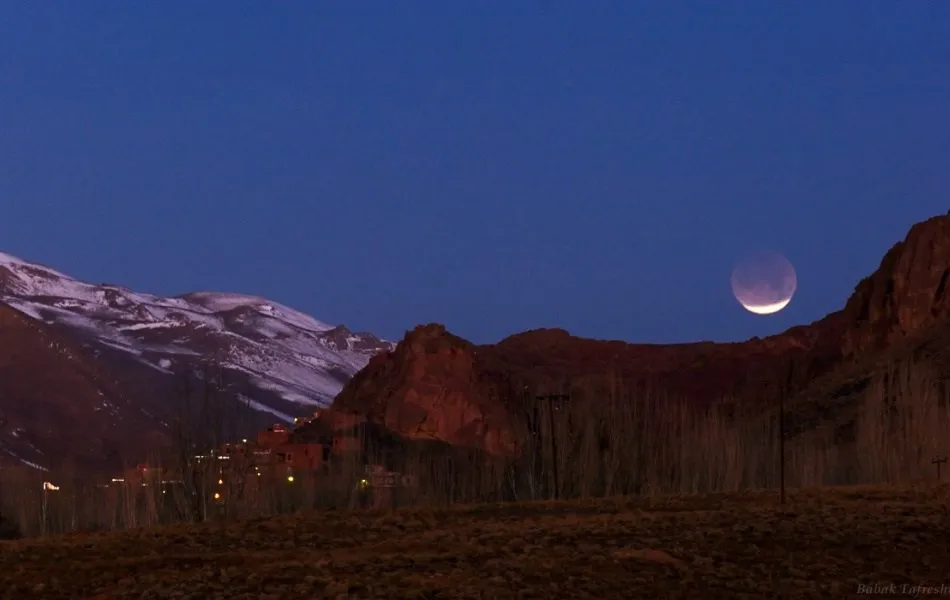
273 436
282 454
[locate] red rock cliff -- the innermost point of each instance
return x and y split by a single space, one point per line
436 385
906 294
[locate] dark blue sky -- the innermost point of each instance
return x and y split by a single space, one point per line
496 166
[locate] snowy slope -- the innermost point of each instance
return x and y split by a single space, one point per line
284 357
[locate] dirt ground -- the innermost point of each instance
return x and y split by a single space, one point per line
842 543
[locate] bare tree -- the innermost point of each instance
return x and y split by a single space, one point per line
208 413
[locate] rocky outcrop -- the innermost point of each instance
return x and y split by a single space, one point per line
431 387
906 294
437 385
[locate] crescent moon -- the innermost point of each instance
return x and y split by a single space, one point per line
764 283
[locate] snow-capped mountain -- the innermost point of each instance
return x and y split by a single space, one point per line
286 362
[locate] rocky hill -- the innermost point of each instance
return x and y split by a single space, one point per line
436 385
84 368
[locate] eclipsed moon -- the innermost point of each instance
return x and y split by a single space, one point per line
764 283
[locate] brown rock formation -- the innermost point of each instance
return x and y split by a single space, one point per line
906 295
435 385
431 388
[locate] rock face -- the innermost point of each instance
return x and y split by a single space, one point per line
438 386
432 387
907 293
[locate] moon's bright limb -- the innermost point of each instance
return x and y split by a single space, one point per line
764 283
766 310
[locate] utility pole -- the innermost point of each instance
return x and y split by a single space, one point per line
938 461
554 401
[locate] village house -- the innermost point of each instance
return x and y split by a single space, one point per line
282 454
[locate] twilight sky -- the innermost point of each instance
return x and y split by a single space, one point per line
495 166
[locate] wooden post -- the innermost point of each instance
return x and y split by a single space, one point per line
938 461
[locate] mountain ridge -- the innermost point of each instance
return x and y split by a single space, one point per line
281 362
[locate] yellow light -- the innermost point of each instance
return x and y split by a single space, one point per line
220 482
217 496
258 473
363 482
290 478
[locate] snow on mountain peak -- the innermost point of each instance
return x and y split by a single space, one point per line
218 302
276 349
9 259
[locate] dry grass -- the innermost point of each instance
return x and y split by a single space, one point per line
824 543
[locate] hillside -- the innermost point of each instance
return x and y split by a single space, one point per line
438 386
56 401
274 360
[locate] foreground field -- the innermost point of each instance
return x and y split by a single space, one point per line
823 543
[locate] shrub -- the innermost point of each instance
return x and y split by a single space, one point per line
9 529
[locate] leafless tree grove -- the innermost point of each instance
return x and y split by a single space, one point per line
618 441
